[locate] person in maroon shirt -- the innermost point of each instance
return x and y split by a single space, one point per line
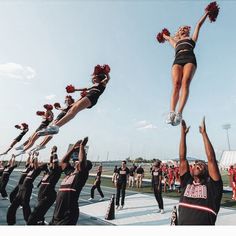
47 194
123 175
23 196
66 210
202 191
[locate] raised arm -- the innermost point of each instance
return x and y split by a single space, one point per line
198 26
183 163
212 163
82 155
170 40
106 80
65 160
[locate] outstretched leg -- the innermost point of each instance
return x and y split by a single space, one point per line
188 73
177 73
77 107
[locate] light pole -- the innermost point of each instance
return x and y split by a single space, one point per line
227 127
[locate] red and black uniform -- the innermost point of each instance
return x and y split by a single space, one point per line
94 93
67 209
97 185
5 178
199 202
24 173
46 195
46 121
121 185
63 112
21 135
157 186
23 196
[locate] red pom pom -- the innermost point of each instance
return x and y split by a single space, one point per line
40 113
83 93
48 107
160 37
97 70
57 105
25 126
17 126
70 88
106 69
213 10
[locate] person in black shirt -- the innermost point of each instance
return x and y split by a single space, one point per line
66 209
157 184
123 174
24 127
183 68
5 177
93 93
140 175
23 196
69 101
47 117
47 194
202 191
24 173
97 185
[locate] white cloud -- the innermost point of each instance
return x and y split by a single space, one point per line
143 124
16 71
50 97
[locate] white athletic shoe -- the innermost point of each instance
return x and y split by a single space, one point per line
121 207
170 118
21 147
117 207
178 119
158 211
20 153
101 199
5 198
90 199
38 147
50 130
162 211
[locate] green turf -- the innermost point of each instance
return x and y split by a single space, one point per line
225 202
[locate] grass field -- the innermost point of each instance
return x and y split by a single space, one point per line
225 202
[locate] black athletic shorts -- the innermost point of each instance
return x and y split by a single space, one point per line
93 97
61 115
182 58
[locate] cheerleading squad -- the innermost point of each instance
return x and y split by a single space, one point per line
201 186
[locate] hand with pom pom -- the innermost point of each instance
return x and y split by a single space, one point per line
70 88
163 35
40 113
213 10
57 105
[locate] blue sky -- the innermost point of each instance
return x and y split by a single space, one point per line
46 45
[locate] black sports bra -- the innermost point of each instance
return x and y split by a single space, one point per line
184 44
